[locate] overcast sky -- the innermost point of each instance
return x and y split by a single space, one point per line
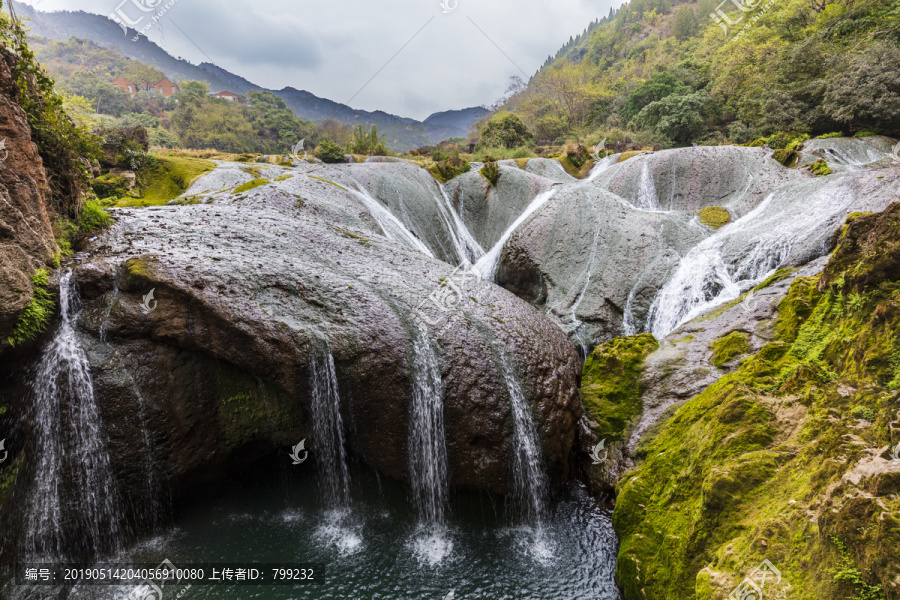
333 48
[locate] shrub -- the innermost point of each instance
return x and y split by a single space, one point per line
93 217
446 170
819 168
368 142
491 172
505 130
329 152
438 154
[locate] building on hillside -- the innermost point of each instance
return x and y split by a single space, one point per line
163 88
124 85
227 96
166 88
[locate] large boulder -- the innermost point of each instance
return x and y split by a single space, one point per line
253 288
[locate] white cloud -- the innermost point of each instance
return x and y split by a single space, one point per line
333 48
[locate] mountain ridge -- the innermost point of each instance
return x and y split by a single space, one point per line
402 133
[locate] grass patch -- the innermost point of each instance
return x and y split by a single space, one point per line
249 186
93 217
327 181
166 178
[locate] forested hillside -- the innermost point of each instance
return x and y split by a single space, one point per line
663 71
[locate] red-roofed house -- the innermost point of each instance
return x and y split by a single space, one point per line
227 96
124 85
165 88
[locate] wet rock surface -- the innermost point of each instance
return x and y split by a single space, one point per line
248 288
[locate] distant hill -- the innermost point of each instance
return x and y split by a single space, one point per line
402 133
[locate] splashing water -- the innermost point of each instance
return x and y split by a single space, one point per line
70 446
647 198
488 265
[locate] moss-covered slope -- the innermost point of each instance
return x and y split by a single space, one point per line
786 458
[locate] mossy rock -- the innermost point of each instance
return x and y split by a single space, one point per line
491 172
446 170
110 186
729 347
166 178
818 168
715 216
38 312
576 171
788 158
630 154
610 384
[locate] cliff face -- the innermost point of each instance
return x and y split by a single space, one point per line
26 237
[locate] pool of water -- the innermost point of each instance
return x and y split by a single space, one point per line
375 550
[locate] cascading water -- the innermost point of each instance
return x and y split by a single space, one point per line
797 216
647 198
73 480
427 449
488 265
393 228
529 480
467 249
331 457
328 428
602 165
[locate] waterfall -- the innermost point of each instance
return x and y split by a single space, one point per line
328 428
529 480
602 165
488 265
393 228
69 447
427 443
647 198
467 249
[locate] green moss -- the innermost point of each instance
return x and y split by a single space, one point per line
630 154
729 347
714 216
246 187
522 162
327 181
110 186
819 168
166 178
787 157
37 314
610 383
491 172
446 170
764 453
92 217
283 178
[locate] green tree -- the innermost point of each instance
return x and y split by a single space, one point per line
685 23
677 117
655 89
505 130
143 75
367 141
329 152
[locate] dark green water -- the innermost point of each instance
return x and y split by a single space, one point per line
374 550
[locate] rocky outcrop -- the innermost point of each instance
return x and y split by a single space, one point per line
250 288
26 237
789 453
